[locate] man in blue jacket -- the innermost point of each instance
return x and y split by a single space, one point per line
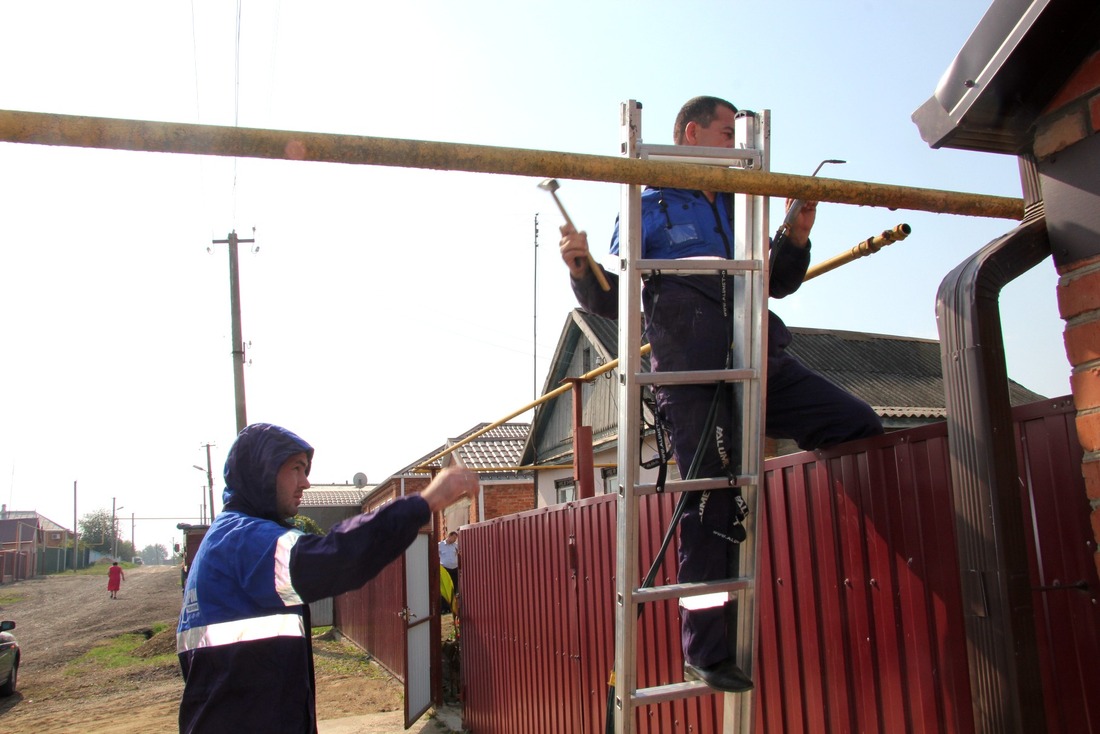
244 631
688 324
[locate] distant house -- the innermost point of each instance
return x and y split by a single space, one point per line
328 504
495 454
31 544
900 377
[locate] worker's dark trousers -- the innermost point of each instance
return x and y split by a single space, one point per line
801 405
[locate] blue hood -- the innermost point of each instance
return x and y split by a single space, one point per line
252 465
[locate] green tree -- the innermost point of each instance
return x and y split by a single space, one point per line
126 551
154 555
97 532
307 525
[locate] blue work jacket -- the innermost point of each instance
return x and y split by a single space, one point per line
244 631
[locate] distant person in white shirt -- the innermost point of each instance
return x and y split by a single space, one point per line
448 558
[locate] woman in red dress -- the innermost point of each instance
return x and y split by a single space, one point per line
115 576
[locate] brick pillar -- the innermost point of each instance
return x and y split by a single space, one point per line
1079 305
1071 118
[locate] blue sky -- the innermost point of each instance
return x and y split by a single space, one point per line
390 309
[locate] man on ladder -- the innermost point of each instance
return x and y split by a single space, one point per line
688 321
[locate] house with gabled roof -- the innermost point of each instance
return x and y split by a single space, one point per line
328 504
900 377
493 453
31 544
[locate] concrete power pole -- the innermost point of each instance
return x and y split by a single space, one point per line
210 480
114 529
76 535
238 342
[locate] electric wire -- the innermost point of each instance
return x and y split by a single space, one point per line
236 104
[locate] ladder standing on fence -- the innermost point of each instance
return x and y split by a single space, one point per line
716 399
734 389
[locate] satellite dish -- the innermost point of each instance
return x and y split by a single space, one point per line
360 479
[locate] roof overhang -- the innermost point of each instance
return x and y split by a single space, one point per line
1016 60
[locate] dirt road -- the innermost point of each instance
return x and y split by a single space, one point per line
61 617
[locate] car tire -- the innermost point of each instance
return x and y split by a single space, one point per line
9 686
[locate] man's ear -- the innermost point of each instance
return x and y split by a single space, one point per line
690 132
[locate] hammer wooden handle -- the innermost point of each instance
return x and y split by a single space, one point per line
592 264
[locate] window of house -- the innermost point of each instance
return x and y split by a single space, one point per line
564 490
610 478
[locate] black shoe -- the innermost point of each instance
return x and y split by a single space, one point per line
723 676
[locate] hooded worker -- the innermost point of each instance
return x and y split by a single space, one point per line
244 631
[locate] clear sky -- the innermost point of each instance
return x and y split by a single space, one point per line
390 309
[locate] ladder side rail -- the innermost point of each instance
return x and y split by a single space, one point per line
630 333
750 351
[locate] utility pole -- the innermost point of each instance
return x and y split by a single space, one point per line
76 537
235 312
210 481
114 529
133 544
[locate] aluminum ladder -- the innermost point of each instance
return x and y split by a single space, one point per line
748 272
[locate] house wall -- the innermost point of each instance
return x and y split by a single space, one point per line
393 488
600 407
506 498
1067 149
606 456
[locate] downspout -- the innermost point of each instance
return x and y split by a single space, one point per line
990 525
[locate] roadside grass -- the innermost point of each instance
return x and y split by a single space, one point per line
122 652
155 647
340 657
10 597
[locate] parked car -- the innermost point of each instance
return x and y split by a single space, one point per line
9 658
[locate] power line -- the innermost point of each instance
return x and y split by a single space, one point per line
236 100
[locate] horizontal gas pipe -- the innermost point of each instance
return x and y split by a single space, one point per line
41 128
869 246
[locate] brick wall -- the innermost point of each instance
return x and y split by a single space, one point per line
505 499
391 489
1073 115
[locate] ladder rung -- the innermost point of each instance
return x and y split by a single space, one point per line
696 485
694 377
700 265
680 591
671 692
700 154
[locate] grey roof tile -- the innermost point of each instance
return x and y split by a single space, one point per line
498 447
335 496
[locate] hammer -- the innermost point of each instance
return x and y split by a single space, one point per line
552 185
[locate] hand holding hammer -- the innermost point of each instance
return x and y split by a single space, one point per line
552 185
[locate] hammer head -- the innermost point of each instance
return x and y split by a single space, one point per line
550 184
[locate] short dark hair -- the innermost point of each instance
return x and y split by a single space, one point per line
700 110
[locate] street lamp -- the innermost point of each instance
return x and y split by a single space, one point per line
202 493
209 480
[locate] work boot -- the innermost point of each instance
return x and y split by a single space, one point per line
722 676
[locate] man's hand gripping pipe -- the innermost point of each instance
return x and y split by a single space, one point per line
796 205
